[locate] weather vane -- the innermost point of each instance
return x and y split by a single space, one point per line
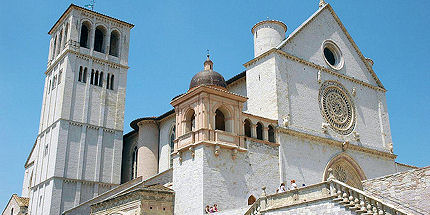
207 52
91 4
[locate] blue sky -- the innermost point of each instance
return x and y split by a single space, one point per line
168 46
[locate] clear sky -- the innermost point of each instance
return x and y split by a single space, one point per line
168 46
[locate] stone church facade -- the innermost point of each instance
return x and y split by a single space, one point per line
309 107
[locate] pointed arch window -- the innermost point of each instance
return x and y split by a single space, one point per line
271 134
134 163
172 144
80 74
247 128
259 131
112 81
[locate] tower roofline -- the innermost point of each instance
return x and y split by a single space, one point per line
73 6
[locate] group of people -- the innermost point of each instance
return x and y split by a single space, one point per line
211 209
282 188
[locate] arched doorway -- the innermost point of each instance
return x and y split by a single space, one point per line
346 170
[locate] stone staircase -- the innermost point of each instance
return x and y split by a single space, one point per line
329 197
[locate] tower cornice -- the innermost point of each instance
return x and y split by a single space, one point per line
73 6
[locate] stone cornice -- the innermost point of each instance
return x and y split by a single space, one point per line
320 68
71 180
207 89
336 143
73 6
66 51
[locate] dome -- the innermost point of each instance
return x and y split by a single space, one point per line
208 77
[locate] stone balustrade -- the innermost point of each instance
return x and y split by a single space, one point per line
349 197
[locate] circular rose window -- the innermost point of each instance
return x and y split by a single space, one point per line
332 55
337 107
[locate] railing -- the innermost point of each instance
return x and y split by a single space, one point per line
350 197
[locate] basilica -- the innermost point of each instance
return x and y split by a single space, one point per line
308 111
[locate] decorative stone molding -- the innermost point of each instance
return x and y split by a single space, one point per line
324 127
354 91
286 120
319 77
336 143
191 149
310 64
356 135
345 145
234 154
217 148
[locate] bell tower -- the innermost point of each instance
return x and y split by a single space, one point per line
77 154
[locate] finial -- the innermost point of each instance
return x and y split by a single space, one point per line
208 64
91 4
322 3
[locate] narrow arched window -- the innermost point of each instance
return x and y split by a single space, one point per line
190 121
96 78
114 44
259 131
84 78
92 76
247 128
83 42
107 81
60 38
172 145
60 76
66 31
11 211
80 74
134 163
101 79
271 134
251 200
219 120
54 48
99 39
111 81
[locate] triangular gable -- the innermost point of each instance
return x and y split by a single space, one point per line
28 162
327 7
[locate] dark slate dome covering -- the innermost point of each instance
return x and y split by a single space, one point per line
208 77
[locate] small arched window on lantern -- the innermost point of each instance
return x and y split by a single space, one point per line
219 120
259 131
271 134
190 121
247 127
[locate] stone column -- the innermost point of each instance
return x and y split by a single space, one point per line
254 130
265 133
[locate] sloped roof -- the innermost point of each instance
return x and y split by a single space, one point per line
339 22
